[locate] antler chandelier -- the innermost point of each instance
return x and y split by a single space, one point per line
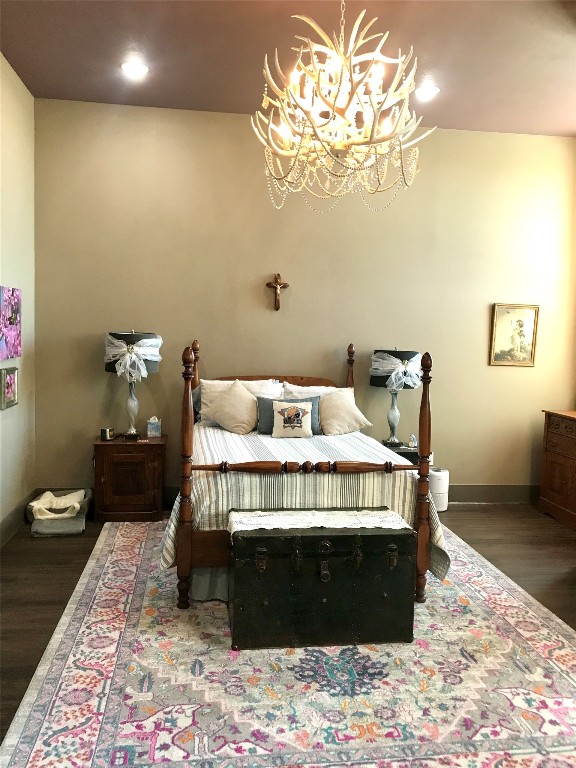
340 122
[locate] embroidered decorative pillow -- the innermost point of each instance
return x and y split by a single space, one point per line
292 419
235 409
339 413
296 390
266 413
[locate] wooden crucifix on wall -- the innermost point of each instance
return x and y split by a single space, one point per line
278 286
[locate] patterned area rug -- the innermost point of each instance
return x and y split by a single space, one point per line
129 680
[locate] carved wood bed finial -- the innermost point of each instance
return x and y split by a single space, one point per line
187 362
350 361
195 372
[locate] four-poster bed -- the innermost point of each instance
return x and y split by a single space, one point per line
192 543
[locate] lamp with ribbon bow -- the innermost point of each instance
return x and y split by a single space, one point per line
133 355
395 369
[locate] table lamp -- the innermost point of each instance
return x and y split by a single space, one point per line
134 355
395 369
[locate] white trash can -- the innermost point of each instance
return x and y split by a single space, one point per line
439 483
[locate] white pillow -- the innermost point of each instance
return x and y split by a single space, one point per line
212 389
292 419
298 391
271 388
339 413
235 409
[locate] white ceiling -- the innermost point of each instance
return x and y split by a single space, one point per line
502 65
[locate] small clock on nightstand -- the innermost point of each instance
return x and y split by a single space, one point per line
129 479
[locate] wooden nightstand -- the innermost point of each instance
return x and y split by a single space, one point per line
129 479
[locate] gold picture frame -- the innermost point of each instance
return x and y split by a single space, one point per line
513 338
8 387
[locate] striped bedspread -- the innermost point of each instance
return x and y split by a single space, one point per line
215 493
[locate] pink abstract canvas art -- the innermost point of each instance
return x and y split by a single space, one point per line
10 322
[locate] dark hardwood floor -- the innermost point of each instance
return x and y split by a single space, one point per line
38 576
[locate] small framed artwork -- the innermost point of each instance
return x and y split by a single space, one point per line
514 329
8 387
10 322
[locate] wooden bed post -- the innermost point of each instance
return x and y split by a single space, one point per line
195 371
422 504
184 531
350 361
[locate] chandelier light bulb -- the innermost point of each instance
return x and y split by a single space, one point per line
377 77
387 126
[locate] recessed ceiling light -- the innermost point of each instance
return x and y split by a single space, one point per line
427 91
134 68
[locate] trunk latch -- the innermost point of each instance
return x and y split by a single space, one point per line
261 559
392 556
325 547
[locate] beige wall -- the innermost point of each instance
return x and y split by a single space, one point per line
159 220
17 270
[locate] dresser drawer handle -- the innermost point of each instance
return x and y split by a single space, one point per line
553 442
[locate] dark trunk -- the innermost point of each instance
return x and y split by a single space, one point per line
321 586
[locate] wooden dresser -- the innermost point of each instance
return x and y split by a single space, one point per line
558 484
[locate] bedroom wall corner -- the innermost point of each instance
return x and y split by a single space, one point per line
17 270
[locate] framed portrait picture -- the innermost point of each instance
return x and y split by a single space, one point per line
8 387
514 329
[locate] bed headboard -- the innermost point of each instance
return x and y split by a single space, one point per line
304 381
